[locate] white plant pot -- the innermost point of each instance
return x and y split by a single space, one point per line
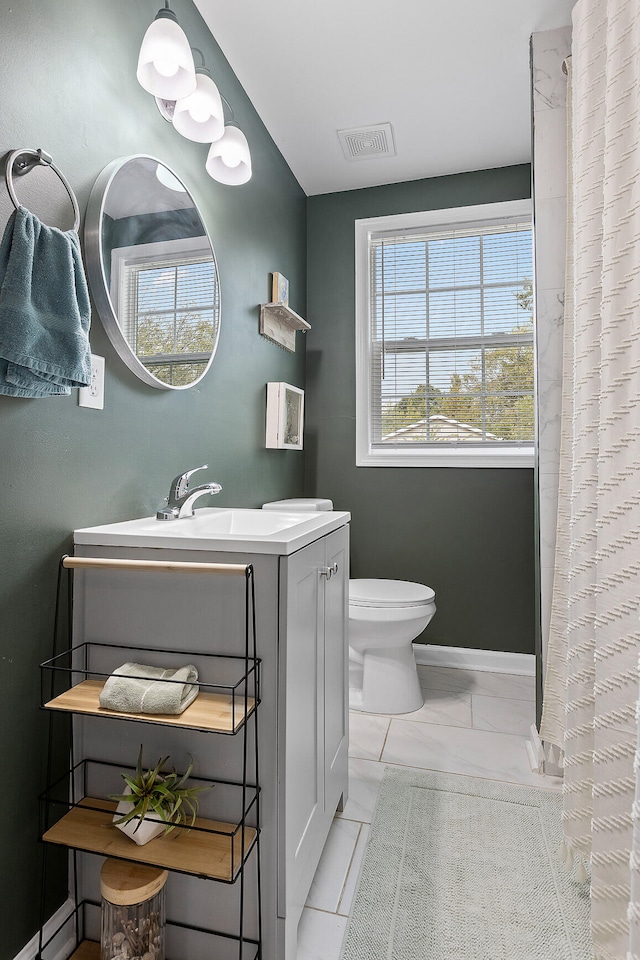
140 832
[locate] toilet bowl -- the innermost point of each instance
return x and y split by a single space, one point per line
385 617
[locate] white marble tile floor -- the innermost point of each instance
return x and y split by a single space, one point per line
477 682
472 723
503 716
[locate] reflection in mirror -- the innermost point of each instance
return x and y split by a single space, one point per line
153 272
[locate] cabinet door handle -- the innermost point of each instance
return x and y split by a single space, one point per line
328 572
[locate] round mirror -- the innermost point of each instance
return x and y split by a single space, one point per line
152 272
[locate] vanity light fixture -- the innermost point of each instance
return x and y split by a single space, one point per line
165 63
196 110
200 116
229 159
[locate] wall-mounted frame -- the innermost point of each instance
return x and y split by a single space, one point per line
285 416
280 289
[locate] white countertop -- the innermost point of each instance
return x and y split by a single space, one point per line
229 530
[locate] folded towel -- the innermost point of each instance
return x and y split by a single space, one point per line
44 310
136 688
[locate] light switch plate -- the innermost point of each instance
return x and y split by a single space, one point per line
93 395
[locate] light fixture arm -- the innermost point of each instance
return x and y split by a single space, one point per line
196 50
233 116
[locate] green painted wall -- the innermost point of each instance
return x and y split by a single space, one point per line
67 75
468 533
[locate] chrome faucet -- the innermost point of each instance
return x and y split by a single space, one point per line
182 497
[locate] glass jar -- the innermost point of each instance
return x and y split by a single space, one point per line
133 911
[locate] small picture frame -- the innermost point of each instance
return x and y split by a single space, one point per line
280 289
285 416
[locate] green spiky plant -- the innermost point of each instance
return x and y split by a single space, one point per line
161 792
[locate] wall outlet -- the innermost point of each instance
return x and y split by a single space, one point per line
93 395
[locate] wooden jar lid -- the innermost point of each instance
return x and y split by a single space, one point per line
124 883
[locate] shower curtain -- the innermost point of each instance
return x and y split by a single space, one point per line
591 684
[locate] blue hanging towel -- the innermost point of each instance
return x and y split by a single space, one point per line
44 310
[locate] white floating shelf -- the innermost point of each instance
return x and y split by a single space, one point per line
278 322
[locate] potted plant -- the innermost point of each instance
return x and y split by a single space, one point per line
155 801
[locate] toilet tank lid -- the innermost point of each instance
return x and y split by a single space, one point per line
300 505
389 593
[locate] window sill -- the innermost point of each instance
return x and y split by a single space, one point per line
475 458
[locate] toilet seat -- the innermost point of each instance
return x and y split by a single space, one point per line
384 594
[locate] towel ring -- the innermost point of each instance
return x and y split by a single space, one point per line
24 165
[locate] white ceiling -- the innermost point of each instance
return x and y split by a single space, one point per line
452 77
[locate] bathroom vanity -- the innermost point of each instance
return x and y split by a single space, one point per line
301 570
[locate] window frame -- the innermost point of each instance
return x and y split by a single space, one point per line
458 456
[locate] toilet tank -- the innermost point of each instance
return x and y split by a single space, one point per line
300 505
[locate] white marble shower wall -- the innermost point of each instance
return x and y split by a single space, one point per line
549 83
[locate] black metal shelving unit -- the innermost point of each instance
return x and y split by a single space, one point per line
76 816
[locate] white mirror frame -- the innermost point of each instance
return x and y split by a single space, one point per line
98 280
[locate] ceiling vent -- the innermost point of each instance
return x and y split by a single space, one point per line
365 143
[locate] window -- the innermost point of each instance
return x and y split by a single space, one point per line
444 345
168 305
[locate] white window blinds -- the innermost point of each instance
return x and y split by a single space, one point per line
170 314
451 336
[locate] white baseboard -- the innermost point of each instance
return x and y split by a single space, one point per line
57 950
464 658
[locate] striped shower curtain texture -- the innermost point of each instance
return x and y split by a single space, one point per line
591 683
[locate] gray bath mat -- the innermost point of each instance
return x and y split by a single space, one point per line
458 868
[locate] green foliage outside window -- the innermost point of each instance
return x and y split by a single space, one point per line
500 404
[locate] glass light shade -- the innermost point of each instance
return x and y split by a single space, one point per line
200 116
229 160
165 64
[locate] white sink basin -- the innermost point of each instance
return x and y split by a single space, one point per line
214 520
219 528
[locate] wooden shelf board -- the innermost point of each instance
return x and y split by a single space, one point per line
285 314
89 827
88 950
278 322
209 711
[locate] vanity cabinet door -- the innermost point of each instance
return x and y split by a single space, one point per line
300 735
336 676
313 724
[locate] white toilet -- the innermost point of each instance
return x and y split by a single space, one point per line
385 617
